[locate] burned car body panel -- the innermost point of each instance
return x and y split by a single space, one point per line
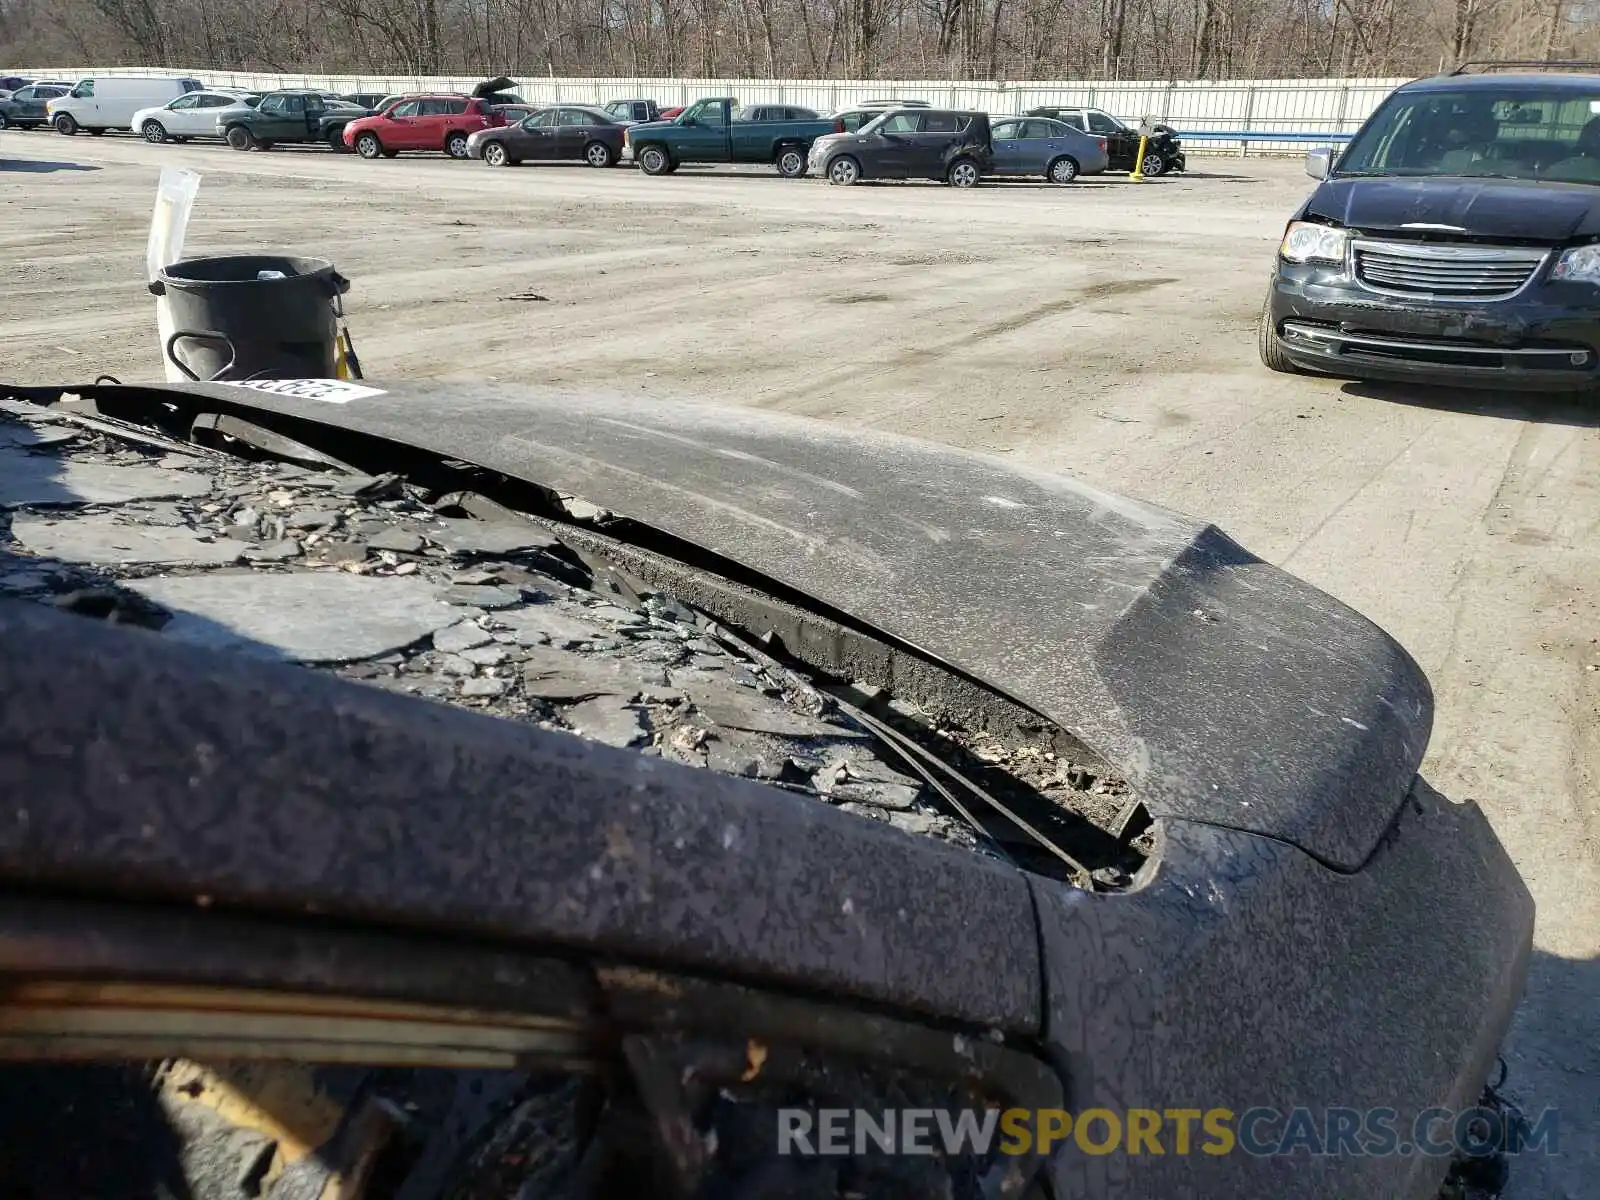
1238 969
423 816
1274 956
1103 615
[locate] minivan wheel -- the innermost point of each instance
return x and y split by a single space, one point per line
154 132
494 154
1063 170
654 160
1270 346
456 145
963 173
843 171
791 162
65 124
597 154
240 138
368 145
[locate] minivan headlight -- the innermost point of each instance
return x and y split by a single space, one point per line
1581 264
1305 241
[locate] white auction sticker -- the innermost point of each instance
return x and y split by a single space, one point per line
331 391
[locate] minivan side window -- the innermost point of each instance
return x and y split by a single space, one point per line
84 90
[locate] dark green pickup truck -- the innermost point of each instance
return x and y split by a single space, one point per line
290 115
719 131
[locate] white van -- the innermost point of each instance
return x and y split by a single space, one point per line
109 101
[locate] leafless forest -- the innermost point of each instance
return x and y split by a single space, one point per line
883 39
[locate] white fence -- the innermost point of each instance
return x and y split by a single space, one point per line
1302 106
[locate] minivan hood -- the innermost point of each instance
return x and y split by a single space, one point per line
1528 210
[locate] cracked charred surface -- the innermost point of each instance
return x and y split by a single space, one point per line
378 581
361 577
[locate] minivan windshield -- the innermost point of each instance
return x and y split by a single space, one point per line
1514 133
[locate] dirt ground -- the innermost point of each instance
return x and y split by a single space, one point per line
1104 330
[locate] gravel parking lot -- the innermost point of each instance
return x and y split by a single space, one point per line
1104 330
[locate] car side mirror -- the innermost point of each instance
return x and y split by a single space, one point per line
1319 162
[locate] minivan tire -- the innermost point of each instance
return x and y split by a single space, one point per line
65 124
1270 346
240 138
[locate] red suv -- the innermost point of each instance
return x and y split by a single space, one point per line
422 123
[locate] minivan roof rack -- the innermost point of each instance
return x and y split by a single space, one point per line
1477 65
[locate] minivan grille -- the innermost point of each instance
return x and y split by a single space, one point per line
1445 272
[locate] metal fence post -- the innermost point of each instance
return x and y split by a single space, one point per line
1249 115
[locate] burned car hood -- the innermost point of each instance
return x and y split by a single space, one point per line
1500 208
1225 690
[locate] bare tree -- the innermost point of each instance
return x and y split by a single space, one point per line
867 39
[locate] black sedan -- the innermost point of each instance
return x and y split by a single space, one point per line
26 107
569 132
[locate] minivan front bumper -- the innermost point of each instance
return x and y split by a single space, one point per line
1545 338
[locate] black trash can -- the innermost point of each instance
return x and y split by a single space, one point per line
231 324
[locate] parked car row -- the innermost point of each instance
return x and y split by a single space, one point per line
878 139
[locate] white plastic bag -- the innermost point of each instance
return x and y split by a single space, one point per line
175 195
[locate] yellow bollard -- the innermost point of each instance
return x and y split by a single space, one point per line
1138 166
